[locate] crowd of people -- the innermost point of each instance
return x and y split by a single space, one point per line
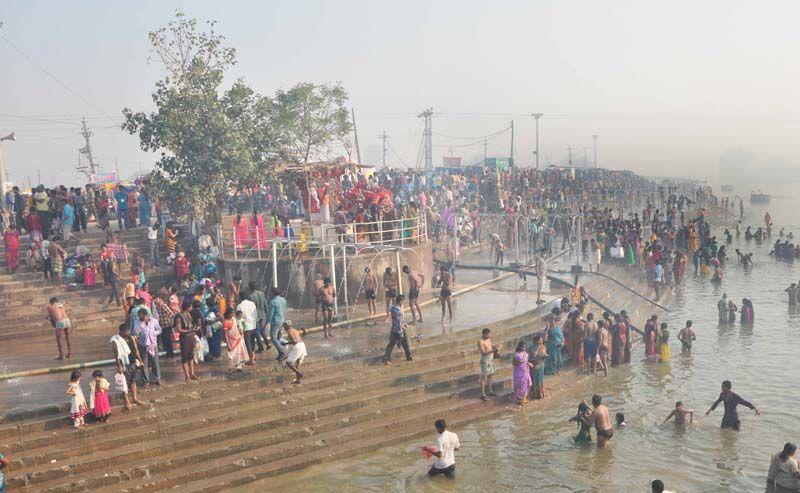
609 216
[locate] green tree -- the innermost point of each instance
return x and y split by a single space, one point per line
209 139
310 118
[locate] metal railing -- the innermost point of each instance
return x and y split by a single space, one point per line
262 243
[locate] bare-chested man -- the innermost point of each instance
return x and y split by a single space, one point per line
57 315
370 283
298 352
487 352
326 297
604 345
602 422
416 280
446 294
317 286
390 284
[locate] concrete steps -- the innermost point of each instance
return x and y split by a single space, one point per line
232 420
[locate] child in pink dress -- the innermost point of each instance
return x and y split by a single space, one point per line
98 396
89 273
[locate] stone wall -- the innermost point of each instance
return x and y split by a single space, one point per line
295 278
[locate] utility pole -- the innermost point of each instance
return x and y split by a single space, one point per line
384 137
427 138
595 150
87 151
569 150
355 134
537 116
512 143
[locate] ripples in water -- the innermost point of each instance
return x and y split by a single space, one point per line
533 451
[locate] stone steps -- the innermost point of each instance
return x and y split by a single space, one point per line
392 384
219 475
261 375
197 445
262 461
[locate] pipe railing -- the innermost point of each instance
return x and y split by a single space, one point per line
258 243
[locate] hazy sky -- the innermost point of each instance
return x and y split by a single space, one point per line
669 87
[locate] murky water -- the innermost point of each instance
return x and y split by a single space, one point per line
533 450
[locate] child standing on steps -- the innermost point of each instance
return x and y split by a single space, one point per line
78 407
98 396
121 385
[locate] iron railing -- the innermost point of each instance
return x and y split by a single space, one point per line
261 243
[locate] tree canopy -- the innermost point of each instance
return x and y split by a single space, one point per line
210 138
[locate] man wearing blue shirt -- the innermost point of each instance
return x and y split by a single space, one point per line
121 197
398 332
658 278
67 219
277 315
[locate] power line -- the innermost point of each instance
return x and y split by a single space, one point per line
397 155
56 79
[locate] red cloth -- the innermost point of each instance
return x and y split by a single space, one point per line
11 241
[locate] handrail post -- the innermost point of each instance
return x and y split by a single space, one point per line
235 246
333 278
274 264
258 243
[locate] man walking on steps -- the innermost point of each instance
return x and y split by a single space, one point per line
398 332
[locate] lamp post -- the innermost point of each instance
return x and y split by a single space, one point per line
594 137
12 137
537 116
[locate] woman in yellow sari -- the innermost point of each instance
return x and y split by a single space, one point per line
171 240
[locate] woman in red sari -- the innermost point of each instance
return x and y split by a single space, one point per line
257 226
11 241
241 232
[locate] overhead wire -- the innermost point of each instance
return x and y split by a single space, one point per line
52 76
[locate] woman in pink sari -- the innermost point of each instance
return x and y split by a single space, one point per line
11 241
522 373
241 233
233 337
257 227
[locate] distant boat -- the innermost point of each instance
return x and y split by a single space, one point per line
727 188
759 198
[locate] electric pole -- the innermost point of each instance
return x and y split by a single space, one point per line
595 150
512 144
428 141
383 137
355 135
537 116
87 150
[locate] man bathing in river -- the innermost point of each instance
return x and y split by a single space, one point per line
687 336
416 280
370 288
602 421
298 352
487 351
731 400
57 315
446 294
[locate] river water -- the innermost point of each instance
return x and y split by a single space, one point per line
533 450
